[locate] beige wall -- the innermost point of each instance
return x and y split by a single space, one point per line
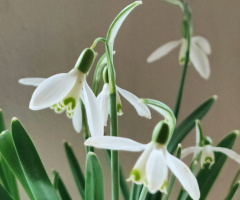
42 38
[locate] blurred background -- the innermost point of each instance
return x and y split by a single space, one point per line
42 38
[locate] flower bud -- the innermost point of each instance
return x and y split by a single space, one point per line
161 133
85 60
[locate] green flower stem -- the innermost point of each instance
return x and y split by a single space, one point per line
143 193
114 125
96 41
184 72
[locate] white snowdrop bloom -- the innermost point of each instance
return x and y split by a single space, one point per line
151 169
199 51
203 146
62 92
104 102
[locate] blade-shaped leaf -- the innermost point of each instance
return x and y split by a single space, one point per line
4 194
206 177
34 171
2 123
94 178
9 153
75 168
117 22
59 185
232 191
188 124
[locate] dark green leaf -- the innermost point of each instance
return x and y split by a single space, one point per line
59 185
4 195
76 169
94 178
206 177
2 123
34 171
188 124
9 153
232 192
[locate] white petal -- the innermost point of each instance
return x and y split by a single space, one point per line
138 174
94 115
156 171
184 175
31 81
163 50
200 60
203 44
189 150
77 118
230 153
207 155
140 107
104 102
114 143
52 90
182 52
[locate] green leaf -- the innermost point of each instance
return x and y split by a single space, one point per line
8 179
116 24
188 124
2 123
59 185
232 192
9 153
4 194
206 177
75 168
33 168
98 73
94 178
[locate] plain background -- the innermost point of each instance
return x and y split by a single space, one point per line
43 38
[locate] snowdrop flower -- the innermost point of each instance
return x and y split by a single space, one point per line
151 169
199 50
204 145
104 100
62 92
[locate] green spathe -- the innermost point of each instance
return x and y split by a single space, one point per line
161 133
85 60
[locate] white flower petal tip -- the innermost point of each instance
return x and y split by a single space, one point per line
203 44
114 143
140 107
31 81
163 50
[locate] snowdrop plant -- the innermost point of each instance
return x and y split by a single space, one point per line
204 146
89 110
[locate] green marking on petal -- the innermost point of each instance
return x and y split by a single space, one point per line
119 109
136 174
70 100
208 160
164 186
182 60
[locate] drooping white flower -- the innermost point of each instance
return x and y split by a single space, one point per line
203 146
62 92
199 50
151 169
104 102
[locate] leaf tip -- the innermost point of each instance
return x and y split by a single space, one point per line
215 97
236 132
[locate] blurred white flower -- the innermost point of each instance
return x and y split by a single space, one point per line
199 51
203 145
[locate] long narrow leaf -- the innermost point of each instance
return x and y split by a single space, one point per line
8 151
232 191
59 185
75 168
188 124
206 177
94 178
34 171
4 195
